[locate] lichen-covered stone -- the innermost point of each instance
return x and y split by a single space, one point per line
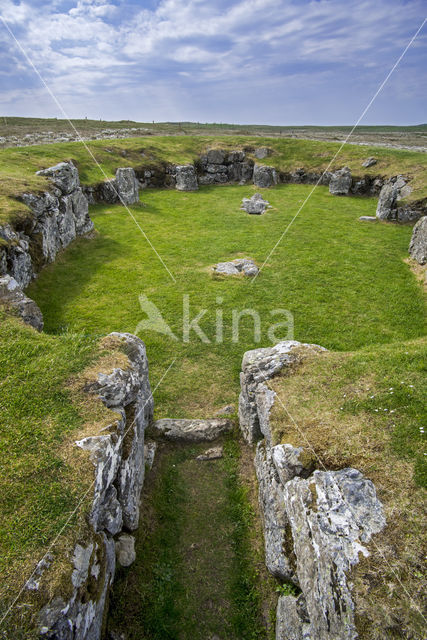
125 550
191 430
340 182
127 185
246 266
332 514
418 244
63 175
13 297
255 205
186 178
258 366
275 522
264 176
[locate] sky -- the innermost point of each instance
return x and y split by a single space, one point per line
279 62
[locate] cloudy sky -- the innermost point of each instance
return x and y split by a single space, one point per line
242 61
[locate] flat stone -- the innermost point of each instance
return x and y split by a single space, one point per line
368 218
211 454
369 162
191 430
226 411
242 265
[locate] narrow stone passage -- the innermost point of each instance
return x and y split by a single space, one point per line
195 574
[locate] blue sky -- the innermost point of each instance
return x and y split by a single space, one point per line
242 61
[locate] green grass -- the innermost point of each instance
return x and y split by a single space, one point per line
344 281
194 575
38 486
18 165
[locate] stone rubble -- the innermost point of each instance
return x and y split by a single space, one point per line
211 454
255 205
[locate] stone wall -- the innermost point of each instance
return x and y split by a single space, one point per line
118 458
316 522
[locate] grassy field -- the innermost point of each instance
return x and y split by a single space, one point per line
345 282
18 165
374 402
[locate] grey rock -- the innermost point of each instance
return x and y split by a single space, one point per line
418 244
255 205
12 296
66 221
278 553
211 454
216 168
33 584
63 175
216 156
262 152
207 179
81 562
229 409
246 266
127 185
107 191
150 449
409 213
125 550
289 624
264 176
80 207
186 179
258 366
368 218
340 182
288 463
236 156
386 207
369 162
332 514
191 430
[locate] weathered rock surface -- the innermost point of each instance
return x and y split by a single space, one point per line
255 205
186 178
54 220
368 218
124 188
241 265
118 458
332 514
191 430
388 208
291 622
125 550
369 162
262 152
150 449
229 409
63 175
258 366
211 454
264 176
278 547
340 182
418 244
13 297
